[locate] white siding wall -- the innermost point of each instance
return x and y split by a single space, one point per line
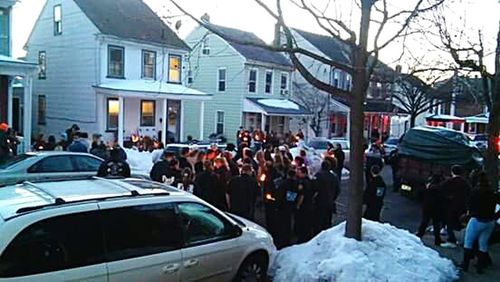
71 68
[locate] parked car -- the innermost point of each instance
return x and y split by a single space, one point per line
124 230
47 165
390 145
320 145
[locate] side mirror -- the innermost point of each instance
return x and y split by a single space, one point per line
236 231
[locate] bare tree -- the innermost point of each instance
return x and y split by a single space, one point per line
470 56
364 52
314 101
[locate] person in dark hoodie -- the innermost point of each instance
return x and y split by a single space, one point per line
242 193
161 169
114 166
326 191
206 182
431 208
374 195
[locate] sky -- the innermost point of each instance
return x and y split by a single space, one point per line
468 15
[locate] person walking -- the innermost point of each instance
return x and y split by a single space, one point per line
114 166
455 192
481 210
431 208
374 195
326 191
242 192
303 226
340 159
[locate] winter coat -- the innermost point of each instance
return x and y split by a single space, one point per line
114 168
375 191
78 147
326 185
242 191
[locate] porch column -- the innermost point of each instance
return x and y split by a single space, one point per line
348 133
263 122
181 130
164 126
10 101
202 120
120 121
28 88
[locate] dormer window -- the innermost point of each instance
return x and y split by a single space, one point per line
57 20
205 48
174 69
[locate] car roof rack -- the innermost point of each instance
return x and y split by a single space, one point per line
57 200
110 180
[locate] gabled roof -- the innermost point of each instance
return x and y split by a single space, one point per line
252 53
130 19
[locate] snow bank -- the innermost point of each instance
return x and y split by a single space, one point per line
385 254
140 162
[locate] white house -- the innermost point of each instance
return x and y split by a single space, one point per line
250 85
110 66
15 111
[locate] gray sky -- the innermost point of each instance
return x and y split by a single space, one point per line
469 15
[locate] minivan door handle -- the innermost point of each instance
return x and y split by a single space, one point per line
191 263
171 268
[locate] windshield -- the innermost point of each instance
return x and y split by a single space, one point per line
318 144
15 160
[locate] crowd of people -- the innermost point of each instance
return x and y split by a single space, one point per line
8 143
238 179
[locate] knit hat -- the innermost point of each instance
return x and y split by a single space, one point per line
3 127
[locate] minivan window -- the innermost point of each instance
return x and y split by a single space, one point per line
54 244
141 230
202 224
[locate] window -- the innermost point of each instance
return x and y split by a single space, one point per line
42 65
252 81
222 80
205 49
53 165
148 64
219 128
335 78
147 113
201 224
86 163
116 61
4 32
141 230
284 84
190 76
57 20
269 81
174 68
113 109
49 245
42 106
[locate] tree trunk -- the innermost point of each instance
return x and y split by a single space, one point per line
413 118
360 84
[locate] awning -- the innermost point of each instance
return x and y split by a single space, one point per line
481 118
150 89
14 67
274 107
444 118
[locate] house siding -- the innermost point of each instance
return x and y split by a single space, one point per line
71 69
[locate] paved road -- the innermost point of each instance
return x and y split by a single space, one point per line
404 213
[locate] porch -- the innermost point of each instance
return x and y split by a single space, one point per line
10 108
138 108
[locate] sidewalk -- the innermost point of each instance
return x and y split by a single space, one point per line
456 256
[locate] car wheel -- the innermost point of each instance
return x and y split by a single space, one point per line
254 268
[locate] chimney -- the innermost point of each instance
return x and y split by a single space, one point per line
277 35
398 69
205 18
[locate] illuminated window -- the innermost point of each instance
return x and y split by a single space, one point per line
57 20
148 64
113 108
174 68
147 113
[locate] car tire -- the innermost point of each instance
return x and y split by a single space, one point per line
253 268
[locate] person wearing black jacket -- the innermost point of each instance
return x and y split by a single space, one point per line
431 208
374 195
303 226
481 209
455 192
285 196
326 191
114 166
183 162
242 192
340 159
206 182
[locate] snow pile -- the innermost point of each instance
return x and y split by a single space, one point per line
279 103
140 162
385 254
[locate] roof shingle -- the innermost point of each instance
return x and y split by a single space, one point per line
130 19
